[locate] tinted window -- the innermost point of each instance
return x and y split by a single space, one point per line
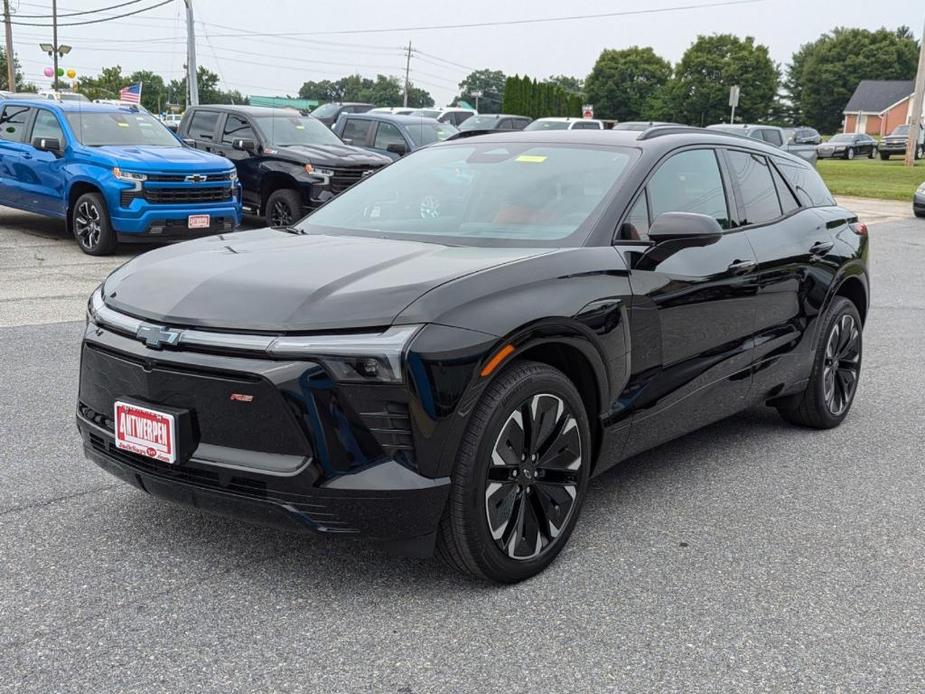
427 133
520 123
236 128
326 110
202 125
636 226
356 130
13 122
759 197
289 128
772 136
689 182
787 201
585 125
386 135
543 124
46 125
806 183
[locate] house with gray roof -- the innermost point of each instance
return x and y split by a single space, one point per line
878 106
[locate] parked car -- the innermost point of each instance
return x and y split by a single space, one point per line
394 110
288 163
895 143
918 201
802 135
61 95
113 172
329 113
388 135
452 115
565 124
491 122
640 125
452 381
848 146
172 120
773 135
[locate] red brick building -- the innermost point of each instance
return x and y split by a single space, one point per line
878 106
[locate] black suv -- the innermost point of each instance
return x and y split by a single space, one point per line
287 163
450 376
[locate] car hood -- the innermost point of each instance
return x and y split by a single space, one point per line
147 158
335 155
272 281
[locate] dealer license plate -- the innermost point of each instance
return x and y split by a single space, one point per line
144 431
198 221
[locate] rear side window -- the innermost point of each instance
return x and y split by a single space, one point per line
202 125
356 130
756 187
236 128
386 135
772 137
13 123
788 203
806 183
689 182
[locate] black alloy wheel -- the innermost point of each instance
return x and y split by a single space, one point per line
283 208
828 396
520 476
533 478
90 225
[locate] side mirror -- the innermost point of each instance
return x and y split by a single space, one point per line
244 145
347 141
690 228
398 148
47 144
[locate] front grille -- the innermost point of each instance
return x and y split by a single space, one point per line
181 178
345 177
188 195
126 197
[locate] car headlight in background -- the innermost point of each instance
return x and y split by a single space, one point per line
233 175
355 357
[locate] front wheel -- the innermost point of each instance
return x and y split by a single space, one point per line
873 153
884 156
283 208
849 154
520 476
836 369
91 226
919 152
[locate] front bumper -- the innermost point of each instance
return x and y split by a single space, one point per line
892 147
918 203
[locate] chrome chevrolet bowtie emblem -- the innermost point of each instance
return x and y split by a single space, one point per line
196 178
155 337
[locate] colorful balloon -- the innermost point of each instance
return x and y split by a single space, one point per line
72 73
48 72
60 72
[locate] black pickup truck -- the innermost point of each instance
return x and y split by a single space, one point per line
288 164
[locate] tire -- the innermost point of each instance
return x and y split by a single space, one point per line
283 208
493 527
831 389
91 226
918 214
884 156
849 155
919 152
873 153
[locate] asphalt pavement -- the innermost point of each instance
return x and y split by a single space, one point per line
750 556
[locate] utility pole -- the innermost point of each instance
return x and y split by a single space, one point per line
912 144
10 67
407 72
54 39
192 83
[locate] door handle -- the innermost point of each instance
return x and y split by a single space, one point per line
740 267
821 247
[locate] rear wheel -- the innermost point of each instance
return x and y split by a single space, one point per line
91 226
520 476
836 369
919 152
283 208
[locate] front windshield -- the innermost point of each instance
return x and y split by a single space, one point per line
119 129
326 110
486 194
547 125
288 130
479 123
844 137
428 133
901 130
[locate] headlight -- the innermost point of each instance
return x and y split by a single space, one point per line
839 148
367 358
129 176
233 175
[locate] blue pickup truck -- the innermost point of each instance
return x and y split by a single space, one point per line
113 172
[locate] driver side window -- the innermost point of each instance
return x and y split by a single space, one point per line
689 182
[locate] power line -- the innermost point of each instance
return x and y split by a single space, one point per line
97 21
444 60
75 14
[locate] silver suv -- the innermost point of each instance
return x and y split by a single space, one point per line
774 136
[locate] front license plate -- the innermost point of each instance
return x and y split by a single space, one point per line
145 432
198 221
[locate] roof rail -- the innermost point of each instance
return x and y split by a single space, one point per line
659 130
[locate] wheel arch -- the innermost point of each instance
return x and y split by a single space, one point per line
78 188
853 289
273 181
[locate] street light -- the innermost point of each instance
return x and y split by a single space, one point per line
55 52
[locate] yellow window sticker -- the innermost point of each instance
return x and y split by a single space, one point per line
531 158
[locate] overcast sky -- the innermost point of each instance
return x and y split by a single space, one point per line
228 40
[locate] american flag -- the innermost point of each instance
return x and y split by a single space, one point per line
131 94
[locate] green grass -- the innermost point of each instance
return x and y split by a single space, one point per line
872 178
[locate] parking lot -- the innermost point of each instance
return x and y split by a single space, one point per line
749 555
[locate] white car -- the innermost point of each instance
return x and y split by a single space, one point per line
449 114
394 110
565 124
